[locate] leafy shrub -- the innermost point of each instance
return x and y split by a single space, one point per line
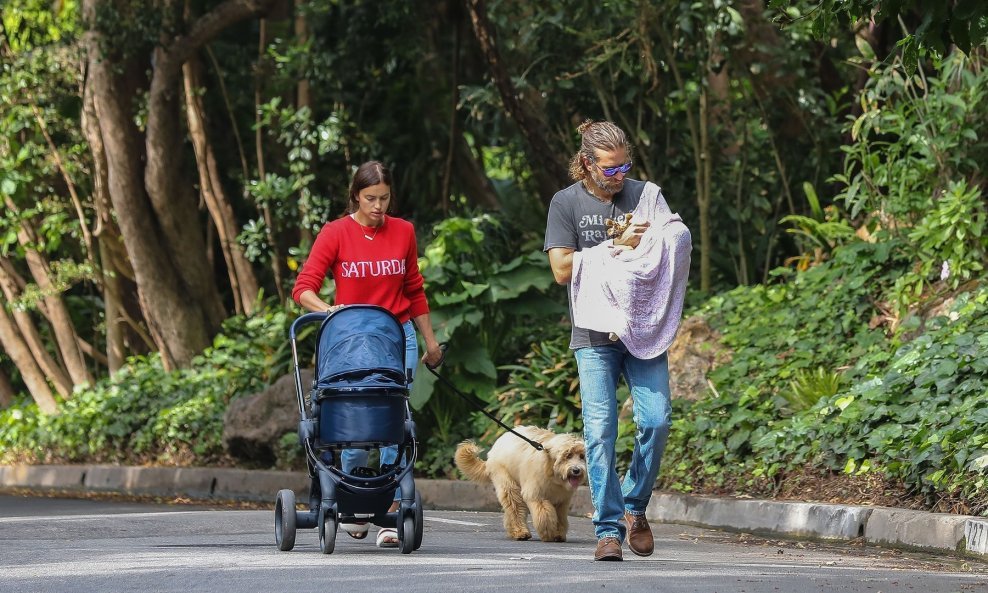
948 243
819 318
808 387
143 414
543 388
915 135
490 296
923 420
915 410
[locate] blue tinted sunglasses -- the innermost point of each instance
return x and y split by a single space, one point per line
612 171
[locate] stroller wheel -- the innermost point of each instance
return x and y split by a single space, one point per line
419 523
284 520
327 531
407 535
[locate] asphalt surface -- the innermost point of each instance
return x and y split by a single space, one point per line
962 536
55 545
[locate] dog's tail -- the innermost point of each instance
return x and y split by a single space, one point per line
468 460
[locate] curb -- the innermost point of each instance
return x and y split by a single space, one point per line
892 527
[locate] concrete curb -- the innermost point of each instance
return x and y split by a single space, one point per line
940 532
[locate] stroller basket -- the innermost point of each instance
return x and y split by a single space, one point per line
364 417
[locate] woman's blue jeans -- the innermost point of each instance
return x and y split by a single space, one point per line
600 368
352 458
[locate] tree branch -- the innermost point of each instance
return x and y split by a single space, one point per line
205 28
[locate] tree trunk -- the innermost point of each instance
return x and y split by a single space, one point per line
276 259
120 292
550 173
19 353
703 192
157 216
9 286
177 331
172 200
7 393
303 99
55 309
701 160
454 132
242 280
107 237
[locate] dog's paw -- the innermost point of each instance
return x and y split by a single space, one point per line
521 536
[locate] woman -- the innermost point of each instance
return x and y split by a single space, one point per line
374 260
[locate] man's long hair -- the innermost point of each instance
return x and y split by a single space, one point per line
597 135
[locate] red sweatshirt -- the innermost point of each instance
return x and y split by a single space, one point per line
383 271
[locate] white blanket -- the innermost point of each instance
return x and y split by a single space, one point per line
636 294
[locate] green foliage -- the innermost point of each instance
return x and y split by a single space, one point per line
489 298
948 243
808 387
779 334
146 415
963 23
543 388
28 24
922 419
819 233
484 296
921 137
914 411
916 134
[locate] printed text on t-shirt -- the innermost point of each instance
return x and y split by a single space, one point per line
365 269
592 227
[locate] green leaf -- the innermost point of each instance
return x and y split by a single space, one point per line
509 285
813 200
422 387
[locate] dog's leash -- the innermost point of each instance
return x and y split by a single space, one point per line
473 401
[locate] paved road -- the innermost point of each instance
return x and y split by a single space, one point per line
55 545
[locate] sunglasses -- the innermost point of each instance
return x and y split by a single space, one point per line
612 171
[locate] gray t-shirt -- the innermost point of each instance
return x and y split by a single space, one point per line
576 221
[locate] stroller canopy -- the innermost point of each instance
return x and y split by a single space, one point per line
361 346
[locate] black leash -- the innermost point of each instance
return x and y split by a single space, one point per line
477 403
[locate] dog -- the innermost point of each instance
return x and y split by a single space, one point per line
525 479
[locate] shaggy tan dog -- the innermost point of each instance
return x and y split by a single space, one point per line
542 482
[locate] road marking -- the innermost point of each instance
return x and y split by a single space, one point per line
49 518
453 521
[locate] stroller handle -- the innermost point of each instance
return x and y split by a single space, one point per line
301 321
305 319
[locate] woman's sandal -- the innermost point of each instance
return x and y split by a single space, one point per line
356 530
387 538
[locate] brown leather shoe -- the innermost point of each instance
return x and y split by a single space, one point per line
608 548
640 539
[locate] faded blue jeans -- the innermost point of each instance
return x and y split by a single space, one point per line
600 368
352 458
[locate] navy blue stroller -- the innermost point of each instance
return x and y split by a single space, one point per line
359 399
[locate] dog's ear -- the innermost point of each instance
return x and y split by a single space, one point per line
575 447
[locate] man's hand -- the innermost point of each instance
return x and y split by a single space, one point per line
632 235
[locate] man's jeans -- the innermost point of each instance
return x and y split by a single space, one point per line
600 368
352 458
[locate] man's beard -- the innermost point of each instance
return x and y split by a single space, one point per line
608 185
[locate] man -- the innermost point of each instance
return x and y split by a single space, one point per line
576 222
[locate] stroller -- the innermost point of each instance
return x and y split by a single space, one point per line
359 399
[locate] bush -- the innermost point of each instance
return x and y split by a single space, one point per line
146 415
